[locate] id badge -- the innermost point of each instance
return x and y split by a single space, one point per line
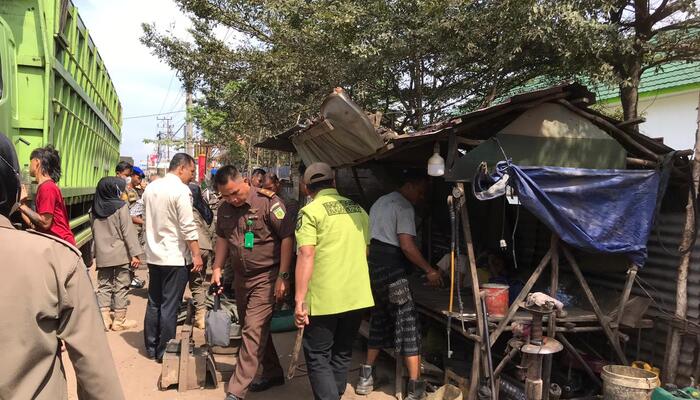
248 240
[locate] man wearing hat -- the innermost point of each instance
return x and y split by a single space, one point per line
134 191
252 230
47 298
332 280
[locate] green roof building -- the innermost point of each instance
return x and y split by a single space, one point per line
668 99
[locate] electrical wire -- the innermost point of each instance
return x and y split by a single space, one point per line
153 115
659 307
512 238
167 94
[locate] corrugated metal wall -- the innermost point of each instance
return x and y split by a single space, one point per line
659 277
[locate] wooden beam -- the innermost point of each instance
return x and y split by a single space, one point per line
552 320
554 283
572 350
603 320
619 133
516 304
638 162
631 274
466 227
631 122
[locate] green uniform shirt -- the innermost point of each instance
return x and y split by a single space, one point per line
339 229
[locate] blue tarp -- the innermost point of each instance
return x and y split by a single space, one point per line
602 211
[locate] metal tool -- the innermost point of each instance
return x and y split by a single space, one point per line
297 348
457 203
453 227
535 350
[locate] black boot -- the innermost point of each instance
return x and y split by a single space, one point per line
416 390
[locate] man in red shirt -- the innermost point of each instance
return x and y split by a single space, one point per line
50 216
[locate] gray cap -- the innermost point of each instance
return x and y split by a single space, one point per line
318 172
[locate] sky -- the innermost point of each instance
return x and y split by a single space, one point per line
145 85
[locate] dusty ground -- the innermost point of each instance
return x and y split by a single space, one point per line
139 375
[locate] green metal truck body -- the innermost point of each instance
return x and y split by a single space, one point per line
55 89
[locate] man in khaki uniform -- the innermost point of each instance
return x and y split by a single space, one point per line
47 297
251 224
203 217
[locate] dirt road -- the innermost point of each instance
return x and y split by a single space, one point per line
139 375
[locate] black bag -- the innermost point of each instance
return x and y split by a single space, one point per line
217 328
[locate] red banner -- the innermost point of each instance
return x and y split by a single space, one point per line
202 167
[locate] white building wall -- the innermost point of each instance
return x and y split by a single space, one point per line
672 117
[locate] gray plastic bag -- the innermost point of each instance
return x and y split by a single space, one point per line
217 329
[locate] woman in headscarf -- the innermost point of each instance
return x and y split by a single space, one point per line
116 249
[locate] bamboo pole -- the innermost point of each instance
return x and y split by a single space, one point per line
673 347
476 359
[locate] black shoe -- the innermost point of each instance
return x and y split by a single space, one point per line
231 397
263 384
137 283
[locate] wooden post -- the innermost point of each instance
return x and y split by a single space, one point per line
464 213
602 319
183 383
552 321
516 304
631 274
673 346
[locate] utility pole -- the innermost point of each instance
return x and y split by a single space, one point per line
165 136
189 143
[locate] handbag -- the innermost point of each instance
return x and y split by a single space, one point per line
217 327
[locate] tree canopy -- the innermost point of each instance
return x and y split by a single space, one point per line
259 66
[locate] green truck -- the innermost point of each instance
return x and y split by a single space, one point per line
55 89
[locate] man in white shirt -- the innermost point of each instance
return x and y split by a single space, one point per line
172 251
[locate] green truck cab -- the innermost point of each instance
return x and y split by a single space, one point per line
55 89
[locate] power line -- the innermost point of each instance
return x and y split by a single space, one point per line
154 115
167 94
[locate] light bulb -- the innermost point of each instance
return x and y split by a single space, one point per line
436 164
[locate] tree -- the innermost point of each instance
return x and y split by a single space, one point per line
417 62
617 40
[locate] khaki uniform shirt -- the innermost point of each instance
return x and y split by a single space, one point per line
46 296
116 239
269 227
203 230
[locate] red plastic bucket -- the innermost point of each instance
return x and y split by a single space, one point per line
496 299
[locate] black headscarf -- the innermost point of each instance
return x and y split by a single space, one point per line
108 196
200 205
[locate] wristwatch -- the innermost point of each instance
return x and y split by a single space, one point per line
284 275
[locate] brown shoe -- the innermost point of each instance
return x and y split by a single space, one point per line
199 318
106 317
120 322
